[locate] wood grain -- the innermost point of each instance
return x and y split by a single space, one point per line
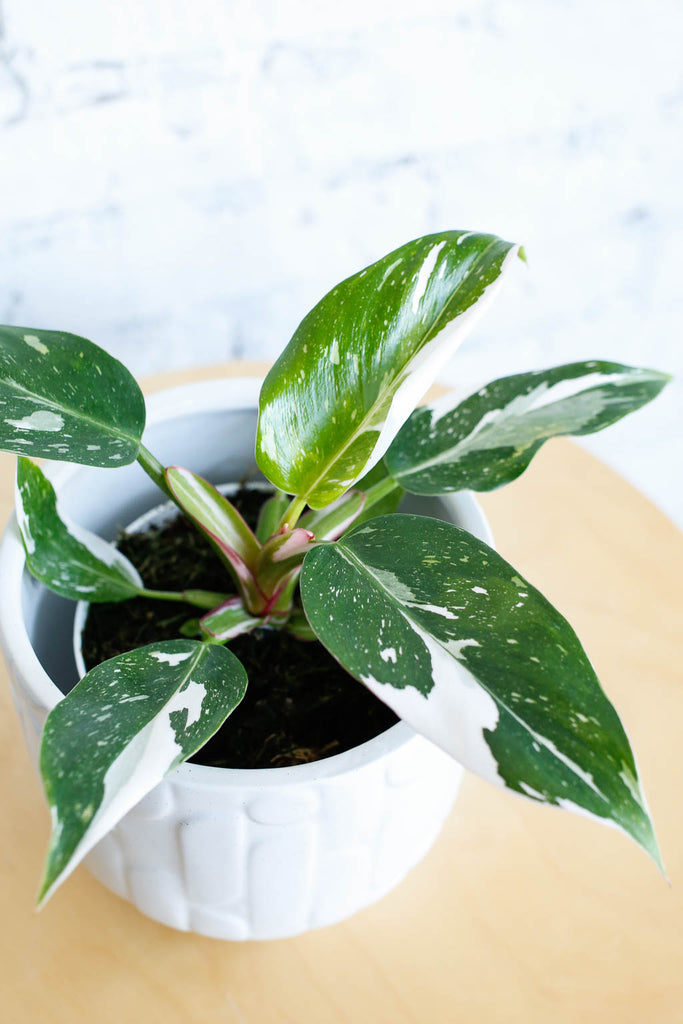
519 913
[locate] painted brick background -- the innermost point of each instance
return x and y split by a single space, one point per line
182 179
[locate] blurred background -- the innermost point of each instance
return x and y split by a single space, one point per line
182 180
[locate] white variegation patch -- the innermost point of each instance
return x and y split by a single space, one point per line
456 711
167 708
171 659
102 550
41 419
576 404
138 769
421 372
378 346
530 722
424 274
33 341
529 417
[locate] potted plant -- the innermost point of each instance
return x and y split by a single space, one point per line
421 611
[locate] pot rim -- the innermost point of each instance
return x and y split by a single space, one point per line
215 395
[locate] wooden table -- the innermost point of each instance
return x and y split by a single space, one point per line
519 913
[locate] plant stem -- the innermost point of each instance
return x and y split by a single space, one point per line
379 491
154 470
199 598
292 513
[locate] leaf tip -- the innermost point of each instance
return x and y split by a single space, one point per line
521 252
652 848
46 889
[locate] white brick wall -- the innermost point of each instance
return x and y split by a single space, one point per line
182 180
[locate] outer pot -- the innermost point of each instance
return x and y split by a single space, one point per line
231 854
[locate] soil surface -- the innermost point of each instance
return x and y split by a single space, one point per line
300 704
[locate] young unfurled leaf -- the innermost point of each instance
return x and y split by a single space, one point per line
126 724
270 516
212 512
65 557
63 397
282 555
490 438
364 356
446 633
229 620
223 525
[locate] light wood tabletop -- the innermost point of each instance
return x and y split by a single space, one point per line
519 913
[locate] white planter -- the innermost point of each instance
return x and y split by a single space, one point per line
232 854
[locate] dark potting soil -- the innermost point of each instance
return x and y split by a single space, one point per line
300 704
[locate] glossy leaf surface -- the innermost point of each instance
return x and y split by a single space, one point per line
363 357
491 437
67 558
126 724
448 634
63 397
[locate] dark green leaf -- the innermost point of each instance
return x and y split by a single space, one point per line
363 357
65 557
490 438
62 397
128 723
446 633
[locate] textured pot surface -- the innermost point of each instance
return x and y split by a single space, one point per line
231 854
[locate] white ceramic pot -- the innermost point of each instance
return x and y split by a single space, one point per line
231 854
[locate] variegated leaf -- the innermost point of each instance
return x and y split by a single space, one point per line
364 356
448 634
128 723
65 557
229 534
212 511
62 397
228 620
490 438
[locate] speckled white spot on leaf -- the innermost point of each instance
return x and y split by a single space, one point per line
34 342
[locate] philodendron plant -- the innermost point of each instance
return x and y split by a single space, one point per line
430 619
